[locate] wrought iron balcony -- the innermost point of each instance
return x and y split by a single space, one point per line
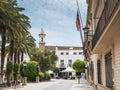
108 11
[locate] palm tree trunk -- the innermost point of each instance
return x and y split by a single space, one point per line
18 57
15 50
11 50
3 50
22 56
15 55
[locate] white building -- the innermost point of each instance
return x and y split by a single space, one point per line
66 55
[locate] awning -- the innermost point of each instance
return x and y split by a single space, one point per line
69 69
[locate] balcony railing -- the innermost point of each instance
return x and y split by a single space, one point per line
108 11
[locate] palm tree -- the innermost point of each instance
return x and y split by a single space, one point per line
13 25
22 26
3 28
25 46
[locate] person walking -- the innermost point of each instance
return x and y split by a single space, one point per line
78 74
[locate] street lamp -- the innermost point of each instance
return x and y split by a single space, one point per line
24 65
37 73
88 33
24 78
37 69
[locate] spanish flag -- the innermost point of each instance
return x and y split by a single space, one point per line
78 21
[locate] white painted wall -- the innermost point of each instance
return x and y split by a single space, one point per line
65 57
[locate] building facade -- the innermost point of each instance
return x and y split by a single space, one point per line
102 44
66 55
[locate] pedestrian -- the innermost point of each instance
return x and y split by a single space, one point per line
79 76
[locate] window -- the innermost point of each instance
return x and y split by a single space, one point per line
80 53
74 53
61 63
62 53
91 70
67 53
70 63
61 60
108 70
99 71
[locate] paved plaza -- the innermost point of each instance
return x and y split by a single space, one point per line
55 84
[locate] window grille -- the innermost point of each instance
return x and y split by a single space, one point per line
92 70
99 71
108 70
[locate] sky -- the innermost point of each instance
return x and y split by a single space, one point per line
57 18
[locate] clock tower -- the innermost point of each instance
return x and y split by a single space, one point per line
42 40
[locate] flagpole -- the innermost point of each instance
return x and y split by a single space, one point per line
81 35
81 22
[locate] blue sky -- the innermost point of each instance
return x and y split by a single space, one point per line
57 17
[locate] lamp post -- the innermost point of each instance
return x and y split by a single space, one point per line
24 78
88 33
37 73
